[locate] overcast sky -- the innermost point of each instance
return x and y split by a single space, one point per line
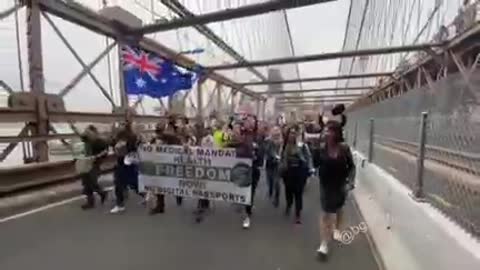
315 29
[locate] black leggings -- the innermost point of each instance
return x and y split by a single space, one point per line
255 179
294 180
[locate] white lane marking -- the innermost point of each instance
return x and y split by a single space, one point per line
45 207
40 209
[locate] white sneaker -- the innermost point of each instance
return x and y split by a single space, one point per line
117 209
337 235
323 249
246 223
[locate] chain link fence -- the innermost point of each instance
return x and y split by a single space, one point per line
450 179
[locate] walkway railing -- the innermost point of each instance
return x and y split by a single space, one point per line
438 158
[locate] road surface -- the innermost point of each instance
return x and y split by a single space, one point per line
64 237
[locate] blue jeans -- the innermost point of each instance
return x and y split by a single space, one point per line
273 181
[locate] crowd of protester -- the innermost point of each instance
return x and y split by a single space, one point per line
289 153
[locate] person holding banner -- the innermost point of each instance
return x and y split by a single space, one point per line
296 167
203 204
186 132
244 139
126 170
159 128
273 148
257 137
173 134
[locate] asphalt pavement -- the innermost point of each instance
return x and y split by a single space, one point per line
67 238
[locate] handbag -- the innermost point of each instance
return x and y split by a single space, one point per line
120 148
84 165
350 180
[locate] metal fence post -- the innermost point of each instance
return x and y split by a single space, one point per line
371 140
121 78
199 100
264 108
421 156
232 100
219 99
355 132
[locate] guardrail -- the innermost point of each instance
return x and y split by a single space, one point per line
8 115
468 162
41 174
32 175
47 173
51 137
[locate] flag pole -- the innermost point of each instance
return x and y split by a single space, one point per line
200 99
121 79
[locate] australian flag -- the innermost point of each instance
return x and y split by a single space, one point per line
148 74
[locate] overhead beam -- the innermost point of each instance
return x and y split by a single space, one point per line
80 15
228 14
91 20
303 91
317 79
316 100
311 103
321 96
183 12
296 105
287 101
328 56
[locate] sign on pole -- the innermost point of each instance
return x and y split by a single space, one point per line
196 172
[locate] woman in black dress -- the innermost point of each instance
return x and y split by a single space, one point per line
335 171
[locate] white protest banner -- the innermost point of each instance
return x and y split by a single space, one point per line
196 172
